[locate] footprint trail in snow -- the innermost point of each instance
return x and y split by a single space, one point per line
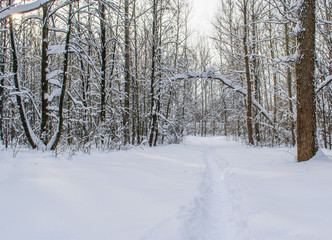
215 215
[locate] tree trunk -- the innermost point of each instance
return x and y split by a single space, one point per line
103 61
275 89
246 60
44 81
289 87
153 70
255 63
27 129
2 76
56 138
305 82
127 73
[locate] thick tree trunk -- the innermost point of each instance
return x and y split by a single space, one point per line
305 82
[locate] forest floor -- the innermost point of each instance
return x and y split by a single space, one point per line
202 189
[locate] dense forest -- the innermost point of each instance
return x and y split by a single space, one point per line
108 74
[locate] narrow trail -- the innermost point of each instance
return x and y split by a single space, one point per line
216 213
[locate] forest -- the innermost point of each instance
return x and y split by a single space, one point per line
104 74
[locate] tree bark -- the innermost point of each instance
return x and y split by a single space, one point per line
24 119
103 61
153 70
44 81
2 76
56 138
305 82
289 86
255 63
127 75
247 69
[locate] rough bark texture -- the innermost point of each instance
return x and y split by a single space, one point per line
305 83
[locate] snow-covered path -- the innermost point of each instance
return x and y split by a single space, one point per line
213 214
203 189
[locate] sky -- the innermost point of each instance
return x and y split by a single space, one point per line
202 14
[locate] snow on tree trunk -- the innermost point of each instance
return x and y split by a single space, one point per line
30 135
52 145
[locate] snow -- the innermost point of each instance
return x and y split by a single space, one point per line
203 189
327 81
298 28
56 49
212 75
22 8
60 49
53 74
55 93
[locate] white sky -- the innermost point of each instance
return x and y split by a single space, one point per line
202 14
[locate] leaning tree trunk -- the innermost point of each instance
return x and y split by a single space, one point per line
25 122
305 82
57 135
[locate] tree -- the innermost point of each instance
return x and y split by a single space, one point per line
127 74
31 137
305 81
2 74
154 99
247 69
52 145
103 55
44 81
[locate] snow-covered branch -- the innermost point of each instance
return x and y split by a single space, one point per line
228 83
22 8
327 81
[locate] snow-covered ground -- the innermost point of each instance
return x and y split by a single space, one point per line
203 189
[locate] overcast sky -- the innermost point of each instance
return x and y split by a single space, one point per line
202 14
